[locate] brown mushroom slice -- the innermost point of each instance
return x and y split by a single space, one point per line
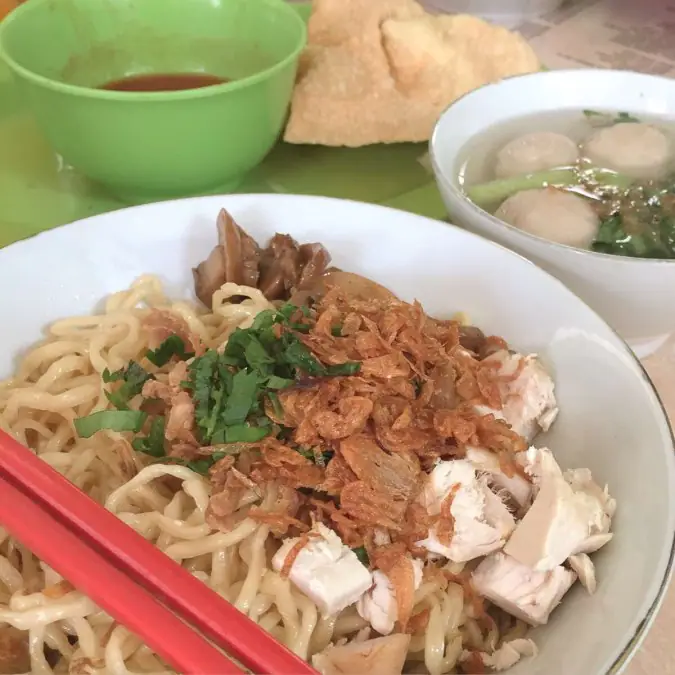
381 656
279 267
472 338
235 259
314 259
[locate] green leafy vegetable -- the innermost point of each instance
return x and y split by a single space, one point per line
625 117
348 368
243 433
489 195
242 398
153 443
362 555
600 119
228 389
201 465
172 346
133 377
115 420
642 223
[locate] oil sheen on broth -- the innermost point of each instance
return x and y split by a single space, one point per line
604 181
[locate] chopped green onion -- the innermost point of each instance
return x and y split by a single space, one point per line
362 555
487 195
113 420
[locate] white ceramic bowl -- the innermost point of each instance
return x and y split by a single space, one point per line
611 419
635 296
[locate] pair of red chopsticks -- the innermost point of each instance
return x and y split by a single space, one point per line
178 616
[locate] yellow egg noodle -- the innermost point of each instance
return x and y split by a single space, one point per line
59 381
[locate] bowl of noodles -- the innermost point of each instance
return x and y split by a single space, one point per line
396 446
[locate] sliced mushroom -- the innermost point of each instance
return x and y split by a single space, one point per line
381 656
314 259
235 259
280 267
472 338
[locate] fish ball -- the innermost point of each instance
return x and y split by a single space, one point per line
552 214
537 151
633 148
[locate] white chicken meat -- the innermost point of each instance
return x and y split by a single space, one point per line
482 522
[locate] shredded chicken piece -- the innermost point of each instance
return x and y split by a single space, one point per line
381 656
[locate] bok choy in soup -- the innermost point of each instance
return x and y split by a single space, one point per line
593 180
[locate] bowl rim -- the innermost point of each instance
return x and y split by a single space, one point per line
152 96
459 195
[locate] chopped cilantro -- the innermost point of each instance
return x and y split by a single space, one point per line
348 368
172 346
242 398
228 389
315 455
153 443
362 555
133 377
201 465
243 433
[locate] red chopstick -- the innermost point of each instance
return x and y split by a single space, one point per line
192 600
109 588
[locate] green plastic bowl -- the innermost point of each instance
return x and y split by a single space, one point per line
154 145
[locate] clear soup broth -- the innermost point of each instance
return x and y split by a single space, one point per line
598 180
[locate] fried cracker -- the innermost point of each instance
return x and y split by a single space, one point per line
382 71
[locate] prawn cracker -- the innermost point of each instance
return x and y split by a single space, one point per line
382 71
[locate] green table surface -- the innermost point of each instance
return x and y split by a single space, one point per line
38 191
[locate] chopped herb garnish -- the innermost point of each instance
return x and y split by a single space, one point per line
336 331
299 357
348 368
244 394
114 420
228 389
626 117
362 555
606 119
201 465
133 377
315 455
276 382
242 433
153 443
172 346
